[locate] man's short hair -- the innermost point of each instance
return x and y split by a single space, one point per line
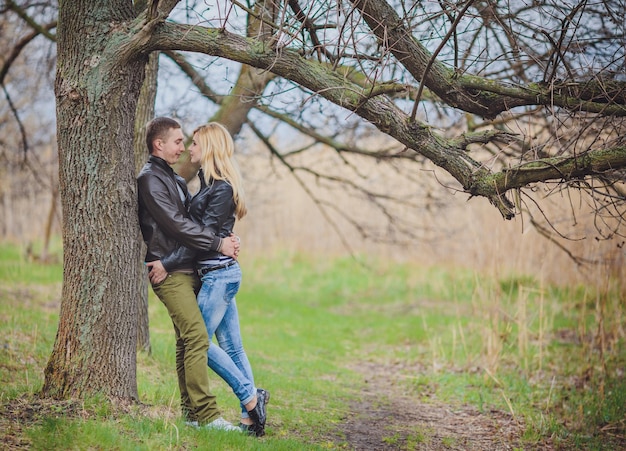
158 128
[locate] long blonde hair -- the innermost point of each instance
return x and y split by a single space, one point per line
218 162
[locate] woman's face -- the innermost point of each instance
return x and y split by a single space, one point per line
194 150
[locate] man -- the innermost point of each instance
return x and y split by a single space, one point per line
165 224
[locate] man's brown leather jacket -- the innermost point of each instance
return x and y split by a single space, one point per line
163 217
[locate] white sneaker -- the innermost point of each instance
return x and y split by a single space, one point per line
221 424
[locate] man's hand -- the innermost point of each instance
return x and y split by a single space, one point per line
157 272
230 246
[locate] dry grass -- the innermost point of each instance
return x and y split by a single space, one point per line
456 233
434 223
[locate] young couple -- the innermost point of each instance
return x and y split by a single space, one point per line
191 253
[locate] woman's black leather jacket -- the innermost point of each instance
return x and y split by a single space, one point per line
213 207
163 217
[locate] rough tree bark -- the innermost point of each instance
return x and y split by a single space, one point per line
145 112
97 88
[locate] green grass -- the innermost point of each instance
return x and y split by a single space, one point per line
462 338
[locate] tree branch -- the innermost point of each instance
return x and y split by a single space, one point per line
160 9
447 154
571 96
44 30
196 78
593 162
18 47
471 93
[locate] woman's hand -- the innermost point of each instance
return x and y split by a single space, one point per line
230 246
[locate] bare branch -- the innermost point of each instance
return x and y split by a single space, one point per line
593 162
306 189
196 78
18 47
160 9
16 115
468 93
39 29
433 58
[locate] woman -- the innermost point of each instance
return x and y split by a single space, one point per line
216 205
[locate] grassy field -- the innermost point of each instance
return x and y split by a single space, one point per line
552 357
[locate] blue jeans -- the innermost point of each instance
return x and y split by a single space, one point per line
216 300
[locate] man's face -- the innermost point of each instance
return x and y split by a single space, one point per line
171 147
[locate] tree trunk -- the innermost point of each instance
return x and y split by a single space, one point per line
145 112
6 204
50 221
95 347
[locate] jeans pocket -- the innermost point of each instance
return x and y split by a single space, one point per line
157 285
231 290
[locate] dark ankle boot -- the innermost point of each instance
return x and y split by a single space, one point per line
259 413
258 428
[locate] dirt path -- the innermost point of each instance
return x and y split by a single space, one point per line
386 419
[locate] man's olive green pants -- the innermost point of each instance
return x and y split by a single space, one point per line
178 293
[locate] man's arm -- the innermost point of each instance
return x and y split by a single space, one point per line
158 272
156 199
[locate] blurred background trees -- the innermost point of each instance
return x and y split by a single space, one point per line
508 84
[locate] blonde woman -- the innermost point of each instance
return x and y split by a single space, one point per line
219 201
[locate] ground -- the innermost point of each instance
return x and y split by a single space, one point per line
387 418
384 419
